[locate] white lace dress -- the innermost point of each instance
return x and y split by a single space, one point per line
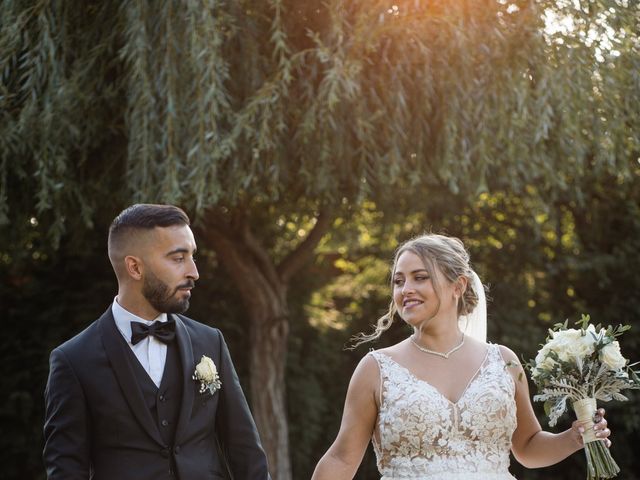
425 436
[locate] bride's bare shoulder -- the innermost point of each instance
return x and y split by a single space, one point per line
393 351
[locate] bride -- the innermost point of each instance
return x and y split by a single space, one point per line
442 404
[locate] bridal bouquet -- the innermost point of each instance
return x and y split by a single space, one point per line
581 366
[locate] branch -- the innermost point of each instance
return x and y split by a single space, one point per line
220 235
292 263
236 223
265 300
264 261
230 255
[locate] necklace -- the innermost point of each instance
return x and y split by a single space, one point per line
439 354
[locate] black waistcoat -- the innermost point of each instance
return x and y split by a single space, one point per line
164 402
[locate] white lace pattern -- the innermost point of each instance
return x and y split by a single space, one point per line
423 435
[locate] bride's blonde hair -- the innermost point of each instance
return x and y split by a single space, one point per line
437 252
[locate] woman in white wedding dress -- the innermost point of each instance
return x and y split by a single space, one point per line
442 404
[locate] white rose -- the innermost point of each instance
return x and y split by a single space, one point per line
611 356
584 345
542 358
544 363
563 343
206 370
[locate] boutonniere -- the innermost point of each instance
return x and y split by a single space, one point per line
207 374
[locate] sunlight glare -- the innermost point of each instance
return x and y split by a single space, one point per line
560 25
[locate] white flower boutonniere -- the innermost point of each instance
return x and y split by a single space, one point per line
207 374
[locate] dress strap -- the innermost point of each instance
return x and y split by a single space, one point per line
495 353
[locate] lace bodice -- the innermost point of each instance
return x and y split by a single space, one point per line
423 435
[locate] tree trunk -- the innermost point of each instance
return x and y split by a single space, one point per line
263 286
269 335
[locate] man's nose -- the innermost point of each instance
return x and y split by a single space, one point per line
193 272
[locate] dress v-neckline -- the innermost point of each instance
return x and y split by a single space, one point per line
435 389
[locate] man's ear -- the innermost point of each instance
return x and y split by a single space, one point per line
134 266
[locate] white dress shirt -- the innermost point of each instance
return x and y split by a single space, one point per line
150 352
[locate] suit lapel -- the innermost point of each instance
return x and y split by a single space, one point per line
115 346
188 367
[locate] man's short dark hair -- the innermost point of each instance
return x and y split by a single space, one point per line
146 216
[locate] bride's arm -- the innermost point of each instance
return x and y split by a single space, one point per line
532 446
358 421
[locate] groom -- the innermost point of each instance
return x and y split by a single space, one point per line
121 400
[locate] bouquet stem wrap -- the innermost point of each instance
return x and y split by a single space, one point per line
600 463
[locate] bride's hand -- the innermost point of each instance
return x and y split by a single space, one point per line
600 427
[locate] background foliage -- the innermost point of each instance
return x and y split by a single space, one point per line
542 265
514 125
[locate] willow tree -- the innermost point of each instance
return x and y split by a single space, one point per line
266 120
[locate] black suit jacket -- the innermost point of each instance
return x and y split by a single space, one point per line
98 426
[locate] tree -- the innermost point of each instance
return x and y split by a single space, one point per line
268 121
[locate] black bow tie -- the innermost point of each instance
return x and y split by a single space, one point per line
163 331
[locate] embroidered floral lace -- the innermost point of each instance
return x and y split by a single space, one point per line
423 435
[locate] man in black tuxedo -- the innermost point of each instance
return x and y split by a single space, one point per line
121 400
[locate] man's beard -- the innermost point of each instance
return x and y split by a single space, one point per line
160 296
